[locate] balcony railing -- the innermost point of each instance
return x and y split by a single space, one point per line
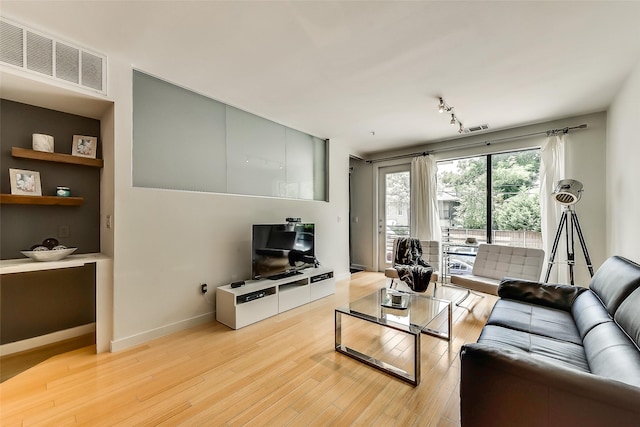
527 239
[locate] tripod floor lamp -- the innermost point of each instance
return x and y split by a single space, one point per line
568 192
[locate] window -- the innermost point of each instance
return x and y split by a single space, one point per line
185 141
493 198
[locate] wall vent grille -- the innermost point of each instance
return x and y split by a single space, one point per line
35 52
67 63
11 44
478 128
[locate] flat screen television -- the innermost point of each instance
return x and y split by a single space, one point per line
281 250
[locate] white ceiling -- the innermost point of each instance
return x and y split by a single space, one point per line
345 69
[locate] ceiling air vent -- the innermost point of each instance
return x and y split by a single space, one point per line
35 52
472 129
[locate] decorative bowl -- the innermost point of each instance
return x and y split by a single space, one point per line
52 255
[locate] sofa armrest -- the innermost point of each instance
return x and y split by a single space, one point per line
545 294
504 387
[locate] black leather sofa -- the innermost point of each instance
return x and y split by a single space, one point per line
558 355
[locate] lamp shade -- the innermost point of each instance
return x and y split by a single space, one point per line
567 191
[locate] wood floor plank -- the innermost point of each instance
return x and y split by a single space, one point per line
281 371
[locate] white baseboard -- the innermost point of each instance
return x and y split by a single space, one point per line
143 337
35 342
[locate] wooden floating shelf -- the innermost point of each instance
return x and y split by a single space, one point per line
25 153
13 199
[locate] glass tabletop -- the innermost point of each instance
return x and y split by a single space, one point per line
403 310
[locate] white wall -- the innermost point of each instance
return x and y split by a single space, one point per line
585 161
165 243
168 242
623 170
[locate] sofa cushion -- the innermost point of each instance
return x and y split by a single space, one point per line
628 316
502 387
543 321
612 354
542 348
588 312
614 281
549 295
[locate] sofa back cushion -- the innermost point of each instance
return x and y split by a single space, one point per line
610 353
628 316
614 281
498 262
588 312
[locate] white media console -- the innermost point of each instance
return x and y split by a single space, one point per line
258 299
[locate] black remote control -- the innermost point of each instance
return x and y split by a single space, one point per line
237 284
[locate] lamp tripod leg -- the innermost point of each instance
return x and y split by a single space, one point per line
587 259
552 257
571 254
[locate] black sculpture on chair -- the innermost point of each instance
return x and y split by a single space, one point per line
410 267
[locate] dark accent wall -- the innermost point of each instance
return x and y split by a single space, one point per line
40 302
22 226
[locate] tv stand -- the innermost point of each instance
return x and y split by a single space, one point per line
260 299
284 275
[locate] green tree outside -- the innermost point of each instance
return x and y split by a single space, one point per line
516 204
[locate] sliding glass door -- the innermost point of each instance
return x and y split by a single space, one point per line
394 201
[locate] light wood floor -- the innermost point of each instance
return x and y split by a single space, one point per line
281 371
13 364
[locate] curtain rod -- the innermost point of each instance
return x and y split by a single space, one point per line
550 132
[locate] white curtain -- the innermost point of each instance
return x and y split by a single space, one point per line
551 171
425 221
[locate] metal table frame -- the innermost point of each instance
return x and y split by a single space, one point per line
413 330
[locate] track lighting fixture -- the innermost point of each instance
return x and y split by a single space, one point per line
442 107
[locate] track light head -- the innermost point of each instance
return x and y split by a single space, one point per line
441 107
461 128
453 120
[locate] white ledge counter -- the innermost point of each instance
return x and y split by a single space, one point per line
25 264
104 292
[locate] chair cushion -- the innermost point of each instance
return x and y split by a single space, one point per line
476 283
497 262
391 273
431 253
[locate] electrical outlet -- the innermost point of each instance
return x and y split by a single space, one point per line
63 231
203 288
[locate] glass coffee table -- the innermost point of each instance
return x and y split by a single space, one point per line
402 315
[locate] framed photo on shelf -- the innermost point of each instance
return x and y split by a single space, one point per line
84 146
25 183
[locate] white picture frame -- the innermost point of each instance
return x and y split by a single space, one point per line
25 182
84 146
